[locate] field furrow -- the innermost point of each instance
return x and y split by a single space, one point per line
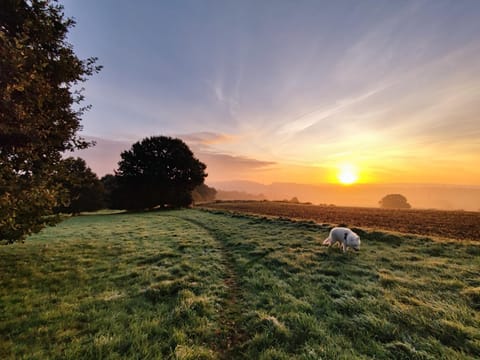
459 225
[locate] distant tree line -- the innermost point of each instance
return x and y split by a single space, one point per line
82 190
156 172
40 112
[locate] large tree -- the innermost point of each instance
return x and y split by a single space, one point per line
40 110
157 171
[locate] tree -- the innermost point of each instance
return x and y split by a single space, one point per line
203 193
110 186
84 191
157 171
394 201
39 111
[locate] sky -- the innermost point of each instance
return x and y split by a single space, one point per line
288 91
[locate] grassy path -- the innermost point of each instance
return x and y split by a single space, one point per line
401 297
210 285
232 334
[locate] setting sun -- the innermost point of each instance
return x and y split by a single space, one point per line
347 174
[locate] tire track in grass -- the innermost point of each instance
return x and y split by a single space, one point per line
233 335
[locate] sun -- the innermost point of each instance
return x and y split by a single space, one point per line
347 174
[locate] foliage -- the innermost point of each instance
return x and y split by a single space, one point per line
394 201
25 208
38 118
110 185
204 193
157 171
84 191
213 285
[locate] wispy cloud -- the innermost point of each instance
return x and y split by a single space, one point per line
262 88
105 155
207 138
305 121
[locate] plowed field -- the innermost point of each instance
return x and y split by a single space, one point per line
460 225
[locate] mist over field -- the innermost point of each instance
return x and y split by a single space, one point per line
443 197
222 177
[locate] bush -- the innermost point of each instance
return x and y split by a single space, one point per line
394 201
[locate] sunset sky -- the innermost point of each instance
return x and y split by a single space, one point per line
288 91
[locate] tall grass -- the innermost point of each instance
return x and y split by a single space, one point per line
203 285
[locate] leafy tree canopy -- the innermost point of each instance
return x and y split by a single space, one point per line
39 111
84 191
157 171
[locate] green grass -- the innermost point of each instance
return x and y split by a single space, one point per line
192 284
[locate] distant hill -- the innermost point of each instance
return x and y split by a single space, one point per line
420 196
238 195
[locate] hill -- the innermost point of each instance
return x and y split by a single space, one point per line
237 195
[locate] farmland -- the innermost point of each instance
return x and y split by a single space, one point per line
461 225
191 284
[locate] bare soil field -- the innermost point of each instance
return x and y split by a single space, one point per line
460 225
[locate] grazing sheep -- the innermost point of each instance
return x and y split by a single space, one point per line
343 236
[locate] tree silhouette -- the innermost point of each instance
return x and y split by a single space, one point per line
110 186
39 111
157 171
204 193
394 201
84 191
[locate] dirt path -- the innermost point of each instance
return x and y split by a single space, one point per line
231 332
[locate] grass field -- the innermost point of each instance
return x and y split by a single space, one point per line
193 284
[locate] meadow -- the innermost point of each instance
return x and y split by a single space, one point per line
193 284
